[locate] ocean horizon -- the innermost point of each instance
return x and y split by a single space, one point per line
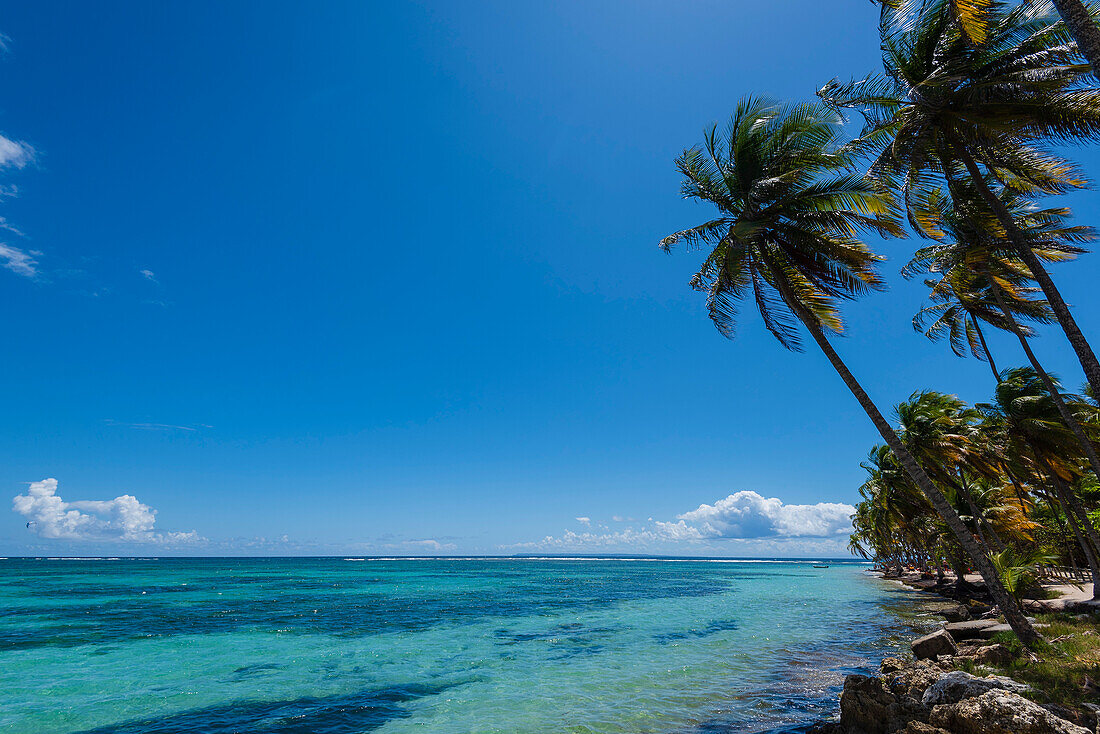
341 645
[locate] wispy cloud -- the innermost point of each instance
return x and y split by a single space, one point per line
15 153
149 275
158 426
584 520
20 262
122 519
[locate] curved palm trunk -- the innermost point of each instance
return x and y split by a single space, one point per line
985 348
1083 29
962 586
1077 340
978 556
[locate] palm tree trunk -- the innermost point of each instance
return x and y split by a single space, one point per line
1063 410
1057 519
1083 29
978 556
1074 515
1077 340
962 586
985 348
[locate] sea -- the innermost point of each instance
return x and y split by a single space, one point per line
439 646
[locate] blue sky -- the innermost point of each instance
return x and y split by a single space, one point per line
383 278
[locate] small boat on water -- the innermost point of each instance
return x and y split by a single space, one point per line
817 566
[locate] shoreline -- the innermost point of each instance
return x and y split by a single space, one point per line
950 680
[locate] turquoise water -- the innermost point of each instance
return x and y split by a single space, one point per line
335 646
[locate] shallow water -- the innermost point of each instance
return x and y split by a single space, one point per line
335 646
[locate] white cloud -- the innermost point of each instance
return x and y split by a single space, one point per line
428 544
744 523
750 515
584 520
18 261
122 519
149 275
15 154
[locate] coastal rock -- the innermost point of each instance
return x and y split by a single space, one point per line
996 654
867 706
919 727
1086 718
970 648
958 685
956 613
937 643
989 632
891 665
969 630
1000 712
952 611
914 678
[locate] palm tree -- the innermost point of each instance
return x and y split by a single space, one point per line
956 312
944 434
895 517
790 210
1082 25
972 17
1023 408
962 298
947 105
974 272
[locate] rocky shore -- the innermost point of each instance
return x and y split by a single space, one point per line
950 685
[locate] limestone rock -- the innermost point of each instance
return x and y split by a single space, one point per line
1086 718
937 643
956 686
914 678
919 727
996 654
968 630
867 706
988 632
1000 712
957 613
891 665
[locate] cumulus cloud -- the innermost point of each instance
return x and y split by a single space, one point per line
750 515
15 153
584 520
122 519
743 522
21 262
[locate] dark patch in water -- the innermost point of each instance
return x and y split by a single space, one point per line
347 714
253 671
578 651
713 628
